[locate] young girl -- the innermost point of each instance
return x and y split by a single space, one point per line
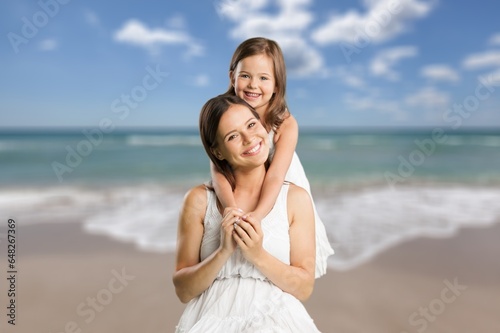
257 74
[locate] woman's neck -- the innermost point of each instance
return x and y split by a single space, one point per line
248 187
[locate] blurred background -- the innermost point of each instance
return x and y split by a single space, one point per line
398 104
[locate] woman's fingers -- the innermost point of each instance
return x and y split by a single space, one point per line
248 239
246 232
231 216
255 223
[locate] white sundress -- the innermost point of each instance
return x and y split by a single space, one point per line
297 176
242 299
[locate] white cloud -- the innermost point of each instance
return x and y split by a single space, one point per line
383 62
301 59
288 27
495 39
481 60
439 72
48 44
381 21
237 9
429 98
352 76
493 77
288 21
136 33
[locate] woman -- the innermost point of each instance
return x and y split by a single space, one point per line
237 273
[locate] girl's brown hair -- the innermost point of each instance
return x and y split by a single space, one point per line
277 109
210 116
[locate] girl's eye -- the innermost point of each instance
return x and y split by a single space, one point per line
251 125
264 78
244 76
231 137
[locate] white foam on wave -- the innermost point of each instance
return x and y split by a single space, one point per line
17 145
49 204
145 216
324 144
363 140
474 140
361 225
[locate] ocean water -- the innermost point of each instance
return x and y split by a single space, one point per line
373 188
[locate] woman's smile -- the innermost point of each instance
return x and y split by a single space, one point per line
254 150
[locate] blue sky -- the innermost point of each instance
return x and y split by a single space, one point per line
154 63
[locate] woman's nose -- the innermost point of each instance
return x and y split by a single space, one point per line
247 138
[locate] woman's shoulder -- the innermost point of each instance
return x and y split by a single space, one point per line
196 198
297 195
299 203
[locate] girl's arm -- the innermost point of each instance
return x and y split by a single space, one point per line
286 141
297 278
222 188
192 276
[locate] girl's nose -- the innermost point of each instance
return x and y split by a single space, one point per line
252 83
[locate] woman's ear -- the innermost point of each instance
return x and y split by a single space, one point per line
217 154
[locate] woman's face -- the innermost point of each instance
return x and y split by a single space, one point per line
241 138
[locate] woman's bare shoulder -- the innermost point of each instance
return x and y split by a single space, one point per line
297 195
196 198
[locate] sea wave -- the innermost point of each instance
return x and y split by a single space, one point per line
472 140
367 222
360 223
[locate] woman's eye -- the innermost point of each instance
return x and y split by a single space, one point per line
231 137
251 125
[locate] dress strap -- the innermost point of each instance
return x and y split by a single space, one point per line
212 214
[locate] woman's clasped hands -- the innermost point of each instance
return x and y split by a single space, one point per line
242 230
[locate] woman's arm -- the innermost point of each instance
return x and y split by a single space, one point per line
286 141
222 188
298 277
191 276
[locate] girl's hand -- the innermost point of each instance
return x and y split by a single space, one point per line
232 215
256 215
249 236
228 210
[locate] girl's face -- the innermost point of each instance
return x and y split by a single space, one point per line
241 138
253 80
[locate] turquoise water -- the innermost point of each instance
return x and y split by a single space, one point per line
176 156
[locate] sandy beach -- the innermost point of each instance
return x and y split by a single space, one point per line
71 281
